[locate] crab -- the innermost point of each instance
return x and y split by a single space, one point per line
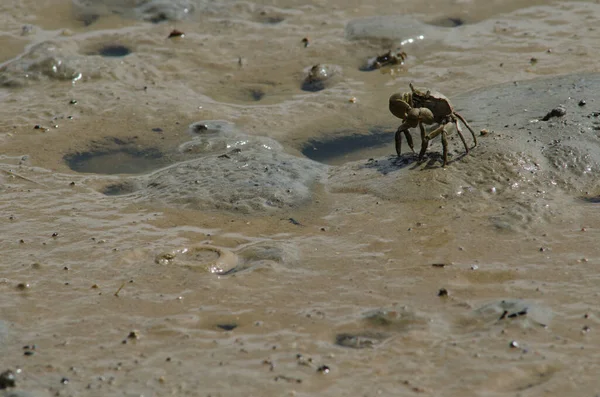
392 57
428 107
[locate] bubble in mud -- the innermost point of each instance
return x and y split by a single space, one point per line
46 61
319 77
269 255
398 29
519 312
206 258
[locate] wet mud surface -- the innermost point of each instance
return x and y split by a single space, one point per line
522 158
183 215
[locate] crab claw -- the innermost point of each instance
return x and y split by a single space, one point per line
398 106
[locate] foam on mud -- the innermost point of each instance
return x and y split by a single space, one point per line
46 61
234 172
153 11
397 28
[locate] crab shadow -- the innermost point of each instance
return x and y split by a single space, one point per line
410 161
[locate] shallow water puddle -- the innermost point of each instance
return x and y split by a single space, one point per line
119 157
348 145
114 50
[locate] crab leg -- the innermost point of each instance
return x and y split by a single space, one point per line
424 142
403 129
440 130
461 118
445 145
462 138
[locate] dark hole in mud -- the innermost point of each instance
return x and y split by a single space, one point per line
325 151
265 18
313 86
119 158
227 326
114 50
89 19
256 94
118 189
362 340
158 17
594 199
448 22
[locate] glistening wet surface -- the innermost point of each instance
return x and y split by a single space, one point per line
120 160
339 146
201 252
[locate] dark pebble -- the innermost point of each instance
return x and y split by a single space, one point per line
200 127
582 102
7 379
175 33
558 111
443 292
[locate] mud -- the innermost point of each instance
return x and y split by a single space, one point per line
185 278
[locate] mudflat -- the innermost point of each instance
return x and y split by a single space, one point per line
204 199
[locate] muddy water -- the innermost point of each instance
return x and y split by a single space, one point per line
164 233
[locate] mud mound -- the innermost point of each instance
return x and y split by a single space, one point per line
234 171
542 140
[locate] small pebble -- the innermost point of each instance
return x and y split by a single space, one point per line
443 292
558 111
582 102
514 344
